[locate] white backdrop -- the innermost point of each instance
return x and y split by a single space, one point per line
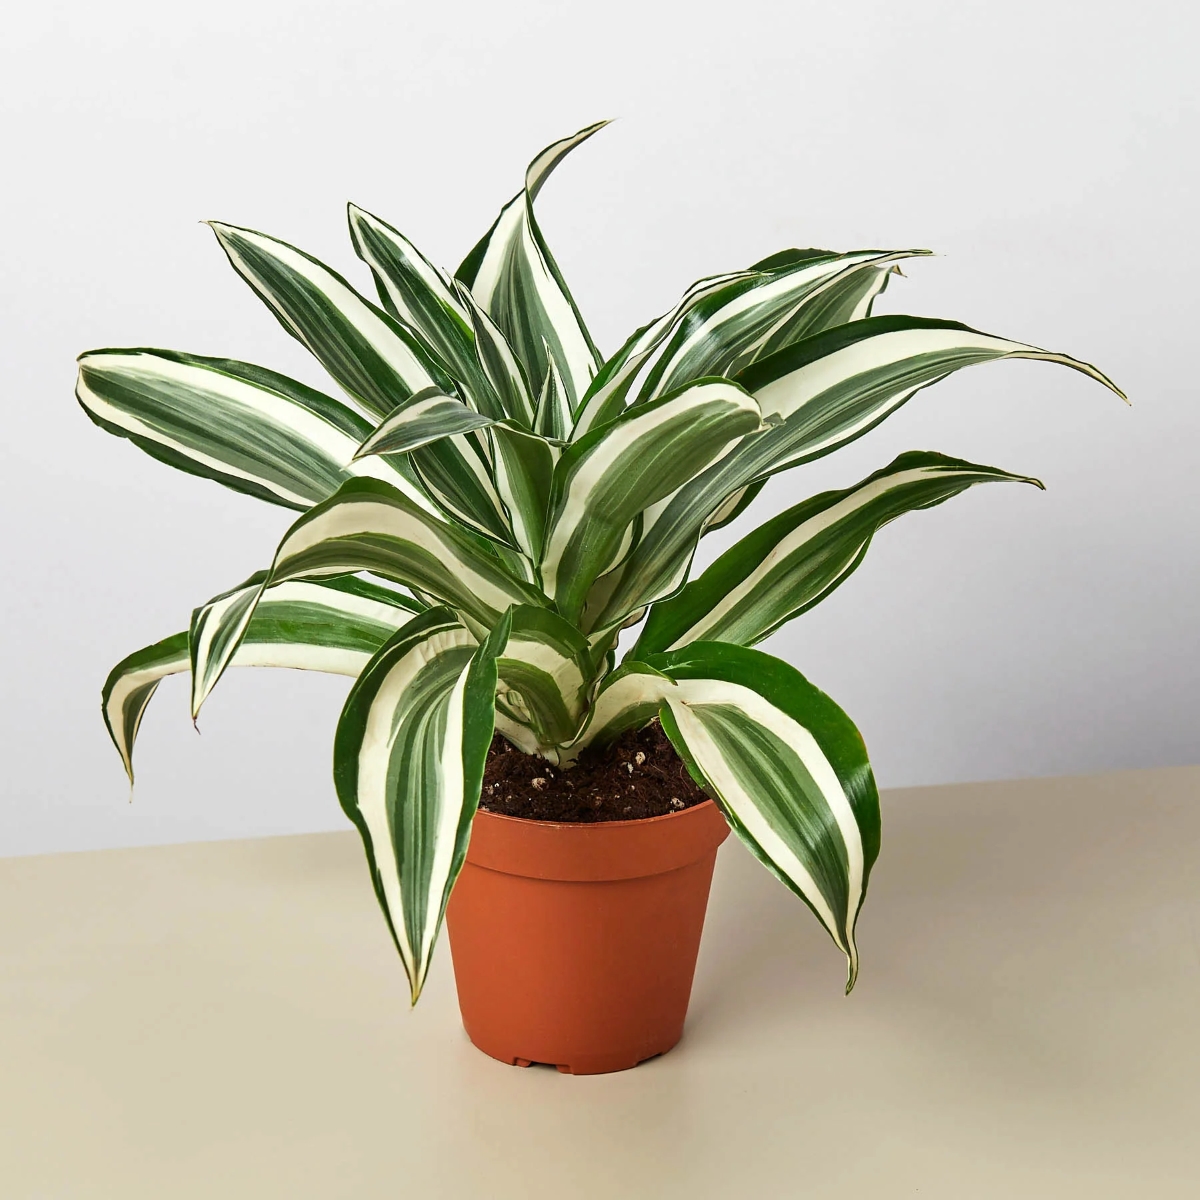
1046 150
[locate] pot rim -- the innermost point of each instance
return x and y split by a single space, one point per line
596 851
641 822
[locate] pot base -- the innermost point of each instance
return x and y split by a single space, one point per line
593 1064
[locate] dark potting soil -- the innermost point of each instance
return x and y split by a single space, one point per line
638 775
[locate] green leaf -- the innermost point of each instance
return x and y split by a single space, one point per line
251 429
409 756
518 284
785 763
332 625
796 559
376 360
604 480
366 526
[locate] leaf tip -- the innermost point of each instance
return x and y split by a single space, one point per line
851 973
220 230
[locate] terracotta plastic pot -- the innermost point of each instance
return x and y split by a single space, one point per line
575 944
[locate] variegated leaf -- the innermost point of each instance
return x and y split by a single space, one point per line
546 673
830 389
552 417
796 559
518 284
523 467
409 756
604 480
726 322
425 417
816 395
423 298
737 324
452 463
789 769
376 360
457 472
251 429
784 762
499 364
366 526
608 394
330 625
849 296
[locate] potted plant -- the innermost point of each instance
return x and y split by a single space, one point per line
490 504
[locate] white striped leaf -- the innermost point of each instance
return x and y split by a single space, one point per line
376 360
789 769
424 417
546 674
446 445
499 364
604 480
785 763
453 467
818 395
518 284
523 467
717 330
607 396
366 526
760 313
408 764
457 472
423 298
628 698
552 417
737 318
795 560
847 297
332 626
828 390
251 429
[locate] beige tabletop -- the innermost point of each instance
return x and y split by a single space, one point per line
229 1020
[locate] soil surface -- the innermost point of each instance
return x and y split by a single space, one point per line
638 775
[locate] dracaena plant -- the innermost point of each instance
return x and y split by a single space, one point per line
493 500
